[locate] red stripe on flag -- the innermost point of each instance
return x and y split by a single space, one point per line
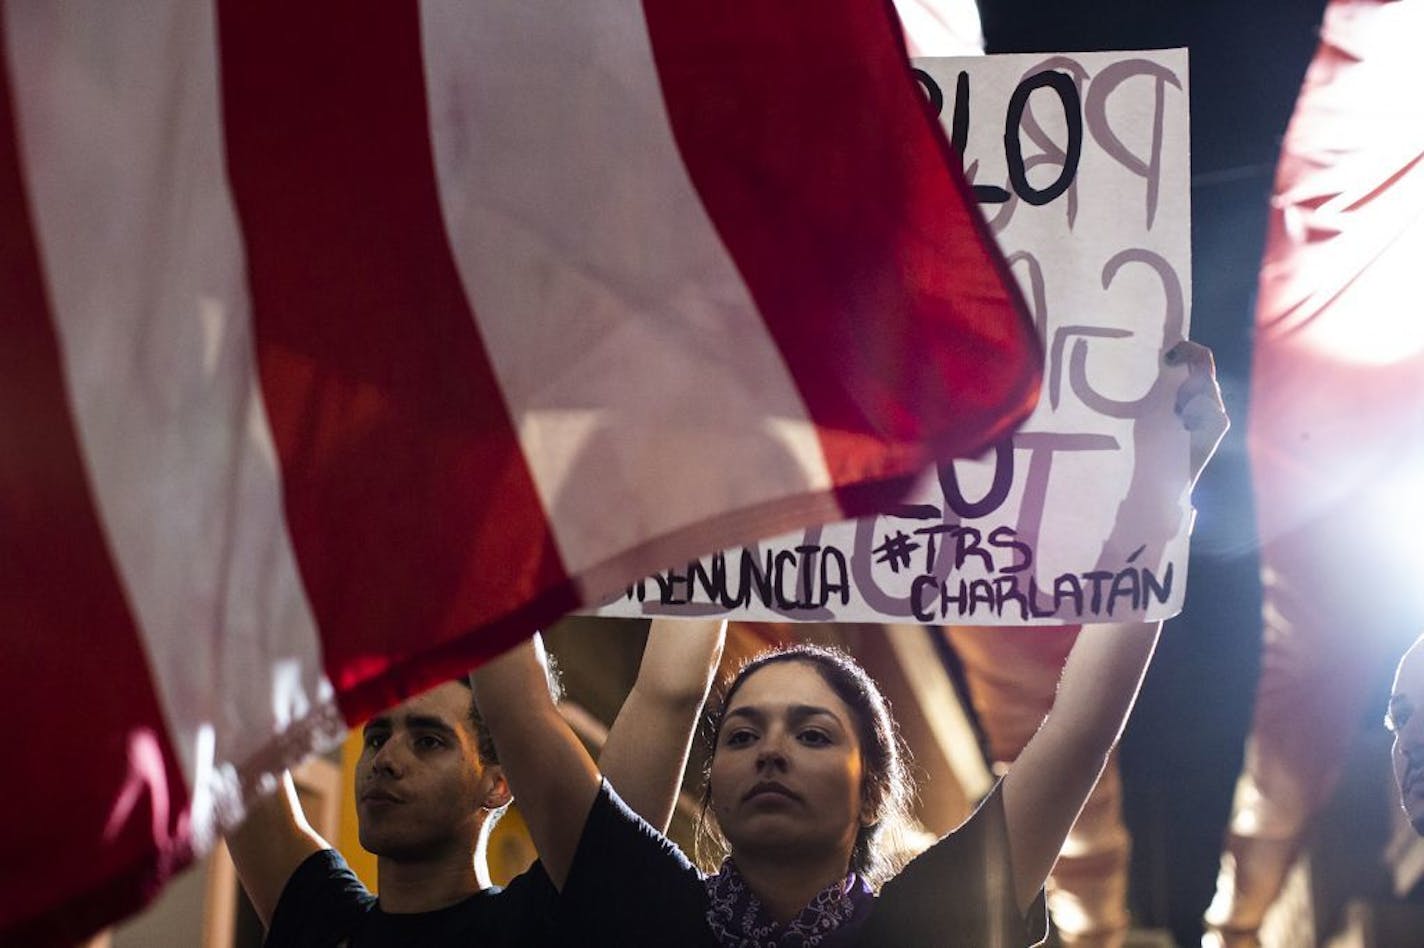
411 508
836 194
96 807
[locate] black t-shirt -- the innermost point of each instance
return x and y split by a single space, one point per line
324 905
629 886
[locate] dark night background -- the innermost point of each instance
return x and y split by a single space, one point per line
1183 748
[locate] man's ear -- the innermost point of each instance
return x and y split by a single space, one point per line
494 789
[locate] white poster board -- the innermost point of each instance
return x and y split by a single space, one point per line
1080 162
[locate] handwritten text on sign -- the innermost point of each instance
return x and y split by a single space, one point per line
1080 163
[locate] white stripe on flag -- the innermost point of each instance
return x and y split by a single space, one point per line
144 263
941 27
600 281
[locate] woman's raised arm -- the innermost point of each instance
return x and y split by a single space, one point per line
647 747
551 774
1048 784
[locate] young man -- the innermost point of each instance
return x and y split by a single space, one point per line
428 791
1406 721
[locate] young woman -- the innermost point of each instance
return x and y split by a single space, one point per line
806 770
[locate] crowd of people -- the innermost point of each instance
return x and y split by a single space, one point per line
808 777
807 780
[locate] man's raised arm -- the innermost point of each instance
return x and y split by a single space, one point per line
271 843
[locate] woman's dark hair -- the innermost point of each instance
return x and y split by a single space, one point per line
886 784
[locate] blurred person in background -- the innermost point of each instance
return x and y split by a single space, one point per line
1335 437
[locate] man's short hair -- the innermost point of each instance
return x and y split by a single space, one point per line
483 742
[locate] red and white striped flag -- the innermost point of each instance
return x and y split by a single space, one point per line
342 343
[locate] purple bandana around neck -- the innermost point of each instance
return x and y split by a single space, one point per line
831 920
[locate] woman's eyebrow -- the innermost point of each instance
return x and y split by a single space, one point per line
796 712
749 711
800 712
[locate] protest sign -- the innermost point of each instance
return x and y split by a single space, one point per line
1080 163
